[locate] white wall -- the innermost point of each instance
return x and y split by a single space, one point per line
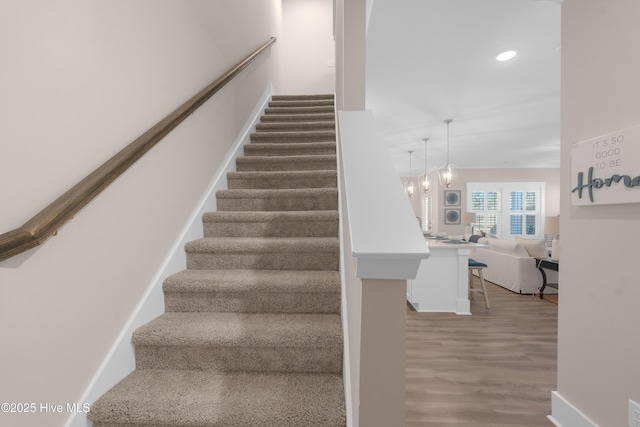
350 39
550 176
307 46
598 345
80 79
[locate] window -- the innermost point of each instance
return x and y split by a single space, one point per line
486 206
525 213
518 205
426 225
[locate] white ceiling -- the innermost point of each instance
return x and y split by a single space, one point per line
430 60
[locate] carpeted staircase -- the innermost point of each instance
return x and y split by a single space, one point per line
251 334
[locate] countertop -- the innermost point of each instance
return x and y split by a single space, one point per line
448 244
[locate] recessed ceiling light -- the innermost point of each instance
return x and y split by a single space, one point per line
506 55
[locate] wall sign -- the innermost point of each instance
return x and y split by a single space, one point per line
606 170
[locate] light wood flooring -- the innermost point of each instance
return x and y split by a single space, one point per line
495 368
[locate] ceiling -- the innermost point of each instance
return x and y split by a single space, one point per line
431 60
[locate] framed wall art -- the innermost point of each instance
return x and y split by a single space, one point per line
452 197
452 216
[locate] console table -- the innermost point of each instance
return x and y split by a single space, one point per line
549 264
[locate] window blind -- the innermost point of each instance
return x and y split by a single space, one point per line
507 209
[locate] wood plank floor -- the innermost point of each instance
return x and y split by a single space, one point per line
495 368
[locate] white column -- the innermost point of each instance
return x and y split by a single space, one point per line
350 54
383 352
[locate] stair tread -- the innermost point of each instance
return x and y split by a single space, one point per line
285 97
293 145
303 96
289 159
263 244
261 216
289 148
300 102
296 117
209 398
262 162
290 174
275 193
299 110
211 329
281 180
295 134
299 281
320 124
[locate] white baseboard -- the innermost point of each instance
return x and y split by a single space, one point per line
346 369
564 414
346 363
120 360
463 306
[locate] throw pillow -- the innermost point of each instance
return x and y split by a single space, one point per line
535 247
474 238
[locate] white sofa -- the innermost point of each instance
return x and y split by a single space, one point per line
511 266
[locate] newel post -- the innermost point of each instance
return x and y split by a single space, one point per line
386 247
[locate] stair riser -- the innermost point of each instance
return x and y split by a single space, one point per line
290 149
322 96
321 203
281 183
246 164
264 261
292 137
311 117
211 398
299 110
253 302
296 126
230 359
302 103
272 229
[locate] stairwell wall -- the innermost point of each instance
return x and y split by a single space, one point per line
307 46
80 80
598 316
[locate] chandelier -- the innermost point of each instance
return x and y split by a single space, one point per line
445 173
409 186
423 181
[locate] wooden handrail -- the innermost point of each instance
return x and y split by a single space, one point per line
47 222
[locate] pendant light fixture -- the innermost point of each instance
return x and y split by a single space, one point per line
423 181
409 186
446 173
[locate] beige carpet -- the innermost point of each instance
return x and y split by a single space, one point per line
251 334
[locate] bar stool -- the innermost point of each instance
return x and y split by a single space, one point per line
478 266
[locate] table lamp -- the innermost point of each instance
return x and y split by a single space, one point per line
468 218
